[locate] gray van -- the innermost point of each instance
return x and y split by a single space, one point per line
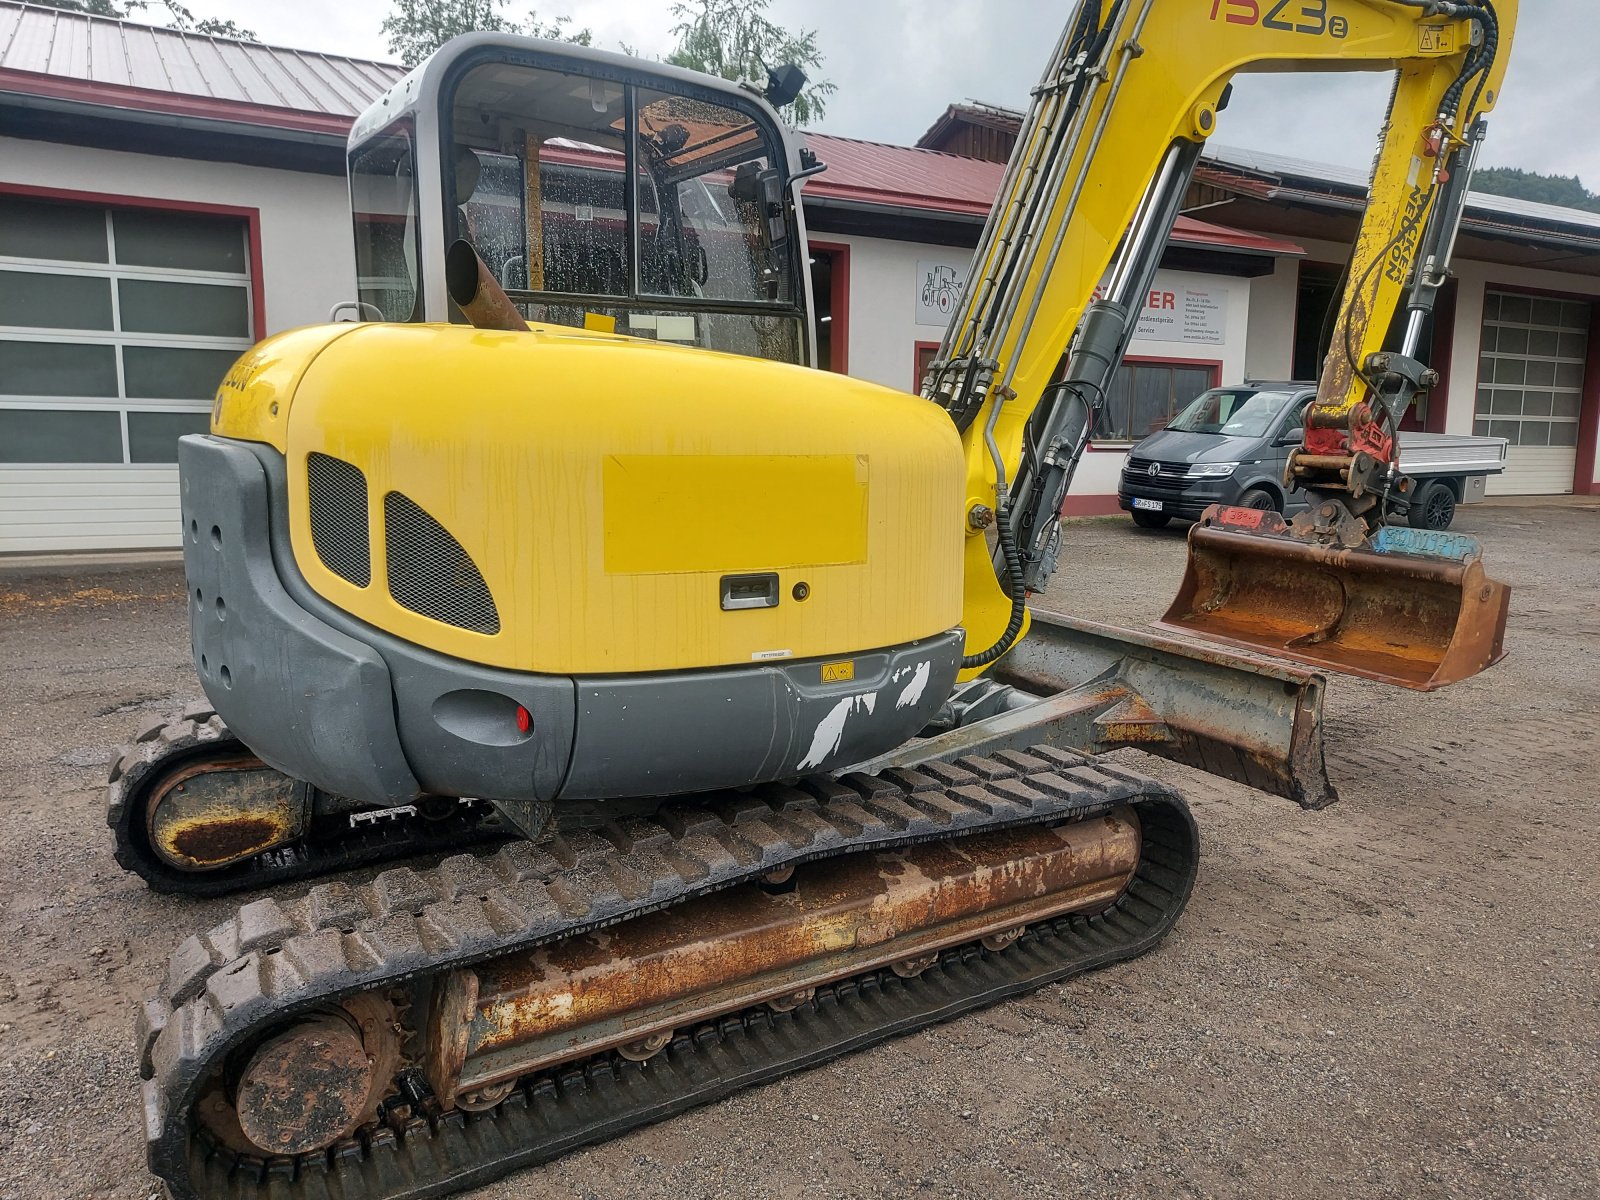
1230 446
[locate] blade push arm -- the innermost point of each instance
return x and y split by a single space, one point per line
1113 133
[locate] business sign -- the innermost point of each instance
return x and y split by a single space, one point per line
1184 312
1174 311
939 286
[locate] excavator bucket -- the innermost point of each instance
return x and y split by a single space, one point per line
1410 607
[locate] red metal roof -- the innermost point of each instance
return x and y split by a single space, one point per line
907 177
875 173
1189 232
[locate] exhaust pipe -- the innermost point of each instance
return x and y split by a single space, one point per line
476 292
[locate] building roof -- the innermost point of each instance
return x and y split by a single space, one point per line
72 58
970 112
1308 178
1285 177
905 177
126 64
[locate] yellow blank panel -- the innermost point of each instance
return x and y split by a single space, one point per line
723 512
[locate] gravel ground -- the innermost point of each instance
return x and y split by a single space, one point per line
1396 996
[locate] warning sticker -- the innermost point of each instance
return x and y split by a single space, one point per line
839 672
1436 39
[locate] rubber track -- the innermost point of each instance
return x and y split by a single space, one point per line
332 845
273 960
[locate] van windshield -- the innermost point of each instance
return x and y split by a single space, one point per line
1231 412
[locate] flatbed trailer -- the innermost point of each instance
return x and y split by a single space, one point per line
1450 469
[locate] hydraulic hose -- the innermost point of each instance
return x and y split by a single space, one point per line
1019 595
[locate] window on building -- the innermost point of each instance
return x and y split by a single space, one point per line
1144 396
823 265
116 326
1530 369
925 354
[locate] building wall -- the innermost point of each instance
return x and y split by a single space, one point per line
887 280
975 141
883 331
1269 347
307 263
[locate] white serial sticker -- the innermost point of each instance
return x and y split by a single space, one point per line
761 655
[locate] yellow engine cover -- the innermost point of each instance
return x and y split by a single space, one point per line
603 486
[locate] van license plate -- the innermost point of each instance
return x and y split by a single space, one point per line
1152 505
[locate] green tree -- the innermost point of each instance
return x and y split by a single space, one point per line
1565 190
177 15
417 28
736 40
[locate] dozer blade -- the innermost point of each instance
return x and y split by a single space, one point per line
1079 685
1411 607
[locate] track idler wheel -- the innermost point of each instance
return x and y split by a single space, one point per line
304 1088
212 814
309 1083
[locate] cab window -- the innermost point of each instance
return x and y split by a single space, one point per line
383 202
614 205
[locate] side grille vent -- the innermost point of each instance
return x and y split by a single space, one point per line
339 517
430 573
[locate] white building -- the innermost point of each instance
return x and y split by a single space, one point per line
167 199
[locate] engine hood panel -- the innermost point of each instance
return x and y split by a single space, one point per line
591 494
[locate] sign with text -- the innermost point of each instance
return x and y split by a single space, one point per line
939 287
1185 312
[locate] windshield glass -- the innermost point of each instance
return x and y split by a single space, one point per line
383 201
605 205
1231 412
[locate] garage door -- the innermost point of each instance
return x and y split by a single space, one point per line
116 325
1530 388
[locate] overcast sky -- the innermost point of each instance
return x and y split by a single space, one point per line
897 63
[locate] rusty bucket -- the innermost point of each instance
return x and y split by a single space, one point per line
1411 607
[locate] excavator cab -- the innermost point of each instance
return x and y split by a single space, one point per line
600 192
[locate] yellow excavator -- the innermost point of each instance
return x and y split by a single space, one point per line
721 667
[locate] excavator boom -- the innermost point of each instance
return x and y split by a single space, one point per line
1101 168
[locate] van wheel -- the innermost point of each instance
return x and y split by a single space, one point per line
1257 498
1435 508
1150 520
